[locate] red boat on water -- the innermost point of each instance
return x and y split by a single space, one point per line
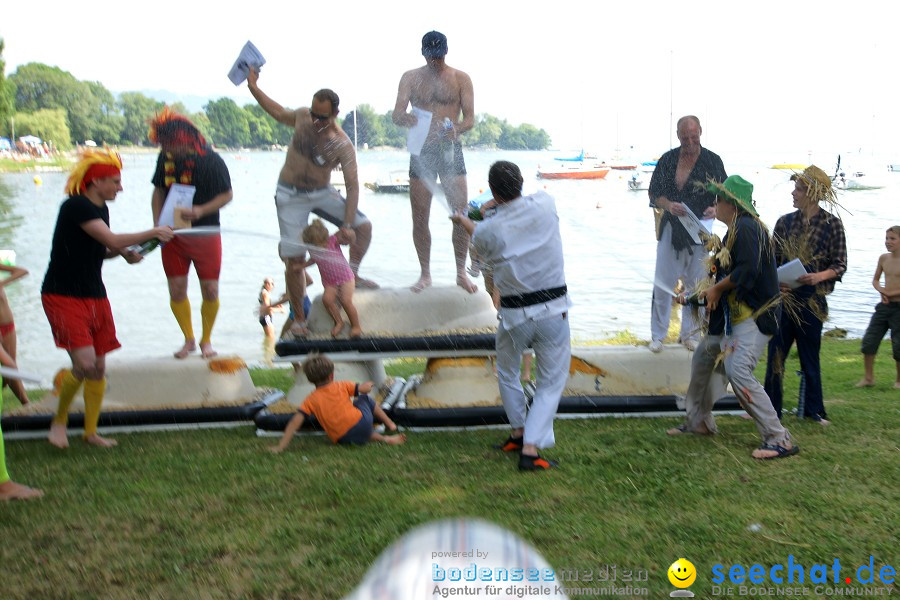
573 171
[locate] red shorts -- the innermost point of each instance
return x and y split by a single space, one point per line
7 328
81 322
205 251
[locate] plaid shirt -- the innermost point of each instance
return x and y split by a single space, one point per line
819 243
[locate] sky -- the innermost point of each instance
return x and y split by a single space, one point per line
785 78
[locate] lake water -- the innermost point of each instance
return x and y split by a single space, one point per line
607 236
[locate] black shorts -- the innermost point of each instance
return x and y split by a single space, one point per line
430 163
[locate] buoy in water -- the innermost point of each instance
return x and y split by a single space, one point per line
38 180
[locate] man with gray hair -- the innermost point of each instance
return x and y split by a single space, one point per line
678 184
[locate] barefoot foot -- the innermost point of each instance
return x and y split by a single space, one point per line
206 351
58 436
366 284
466 284
864 383
421 284
298 330
96 440
189 346
395 440
11 490
355 332
337 329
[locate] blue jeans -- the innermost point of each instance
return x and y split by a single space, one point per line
808 335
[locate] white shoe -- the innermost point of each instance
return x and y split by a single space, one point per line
656 346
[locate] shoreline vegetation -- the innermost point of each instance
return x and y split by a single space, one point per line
168 514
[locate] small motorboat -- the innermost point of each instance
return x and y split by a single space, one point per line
640 179
574 170
855 180
396 182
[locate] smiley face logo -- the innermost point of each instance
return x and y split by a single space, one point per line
682 573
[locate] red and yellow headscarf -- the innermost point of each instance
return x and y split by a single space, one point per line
95 163
171 129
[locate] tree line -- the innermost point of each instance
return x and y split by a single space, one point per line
50 103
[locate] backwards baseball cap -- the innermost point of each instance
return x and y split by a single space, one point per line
434 44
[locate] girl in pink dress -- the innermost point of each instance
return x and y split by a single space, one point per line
336 275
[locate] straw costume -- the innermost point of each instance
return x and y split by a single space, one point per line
816 237
186 159
741 322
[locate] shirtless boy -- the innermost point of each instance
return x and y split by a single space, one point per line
887 312
304 186
445 92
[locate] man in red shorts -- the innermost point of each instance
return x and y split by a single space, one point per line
73 293
185 158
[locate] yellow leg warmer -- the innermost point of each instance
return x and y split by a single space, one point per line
182 312
68 387
93 398
208 311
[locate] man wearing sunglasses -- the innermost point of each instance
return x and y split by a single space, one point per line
304 187
448 95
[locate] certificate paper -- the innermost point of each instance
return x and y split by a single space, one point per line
693 225
789 272
249 57
415 139
180 197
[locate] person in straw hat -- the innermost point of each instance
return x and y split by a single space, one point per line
744 305
73 293
816 237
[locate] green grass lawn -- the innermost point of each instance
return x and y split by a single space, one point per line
212 514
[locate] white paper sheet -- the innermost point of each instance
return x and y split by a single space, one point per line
693 225
415 139
249 57
789 272
180 196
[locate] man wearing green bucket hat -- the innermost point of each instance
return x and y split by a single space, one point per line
743 306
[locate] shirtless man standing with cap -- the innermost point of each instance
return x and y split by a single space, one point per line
445 92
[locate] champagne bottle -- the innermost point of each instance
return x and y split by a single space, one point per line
145 248
696 300
447 143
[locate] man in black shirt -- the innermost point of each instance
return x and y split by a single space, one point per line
186 159
676 186
73 294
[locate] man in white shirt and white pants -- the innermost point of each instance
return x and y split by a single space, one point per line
522 244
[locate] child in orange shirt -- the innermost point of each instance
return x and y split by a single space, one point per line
345 421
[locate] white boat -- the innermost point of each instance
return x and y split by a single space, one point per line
640 179
396 182
856 180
